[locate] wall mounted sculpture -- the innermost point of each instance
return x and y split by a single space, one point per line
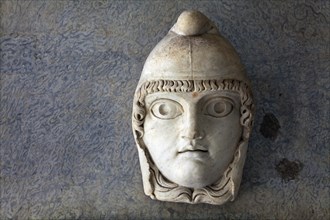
192 115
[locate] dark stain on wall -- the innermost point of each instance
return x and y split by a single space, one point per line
289 170
270 126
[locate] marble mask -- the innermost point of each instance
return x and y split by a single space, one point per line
192 115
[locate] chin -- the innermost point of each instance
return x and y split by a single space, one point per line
195 183
193 175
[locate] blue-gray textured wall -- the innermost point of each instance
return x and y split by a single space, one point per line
68 74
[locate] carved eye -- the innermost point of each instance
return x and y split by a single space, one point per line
218 107
166 109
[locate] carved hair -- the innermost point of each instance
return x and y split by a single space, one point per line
225 188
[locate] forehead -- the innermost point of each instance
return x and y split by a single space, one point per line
193 97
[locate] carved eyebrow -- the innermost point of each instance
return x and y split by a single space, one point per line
180 97
233 96
151 98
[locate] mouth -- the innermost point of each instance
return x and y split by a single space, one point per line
193 150
200 155
196 150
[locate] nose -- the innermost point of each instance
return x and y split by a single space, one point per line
192 128
195 135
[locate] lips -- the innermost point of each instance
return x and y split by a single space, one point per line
194 153
193 149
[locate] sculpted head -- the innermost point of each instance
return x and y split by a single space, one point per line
192 115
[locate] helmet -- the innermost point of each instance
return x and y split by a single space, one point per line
193 50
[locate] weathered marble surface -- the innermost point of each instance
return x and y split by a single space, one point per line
68 74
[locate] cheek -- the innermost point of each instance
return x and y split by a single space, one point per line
224 135
160 137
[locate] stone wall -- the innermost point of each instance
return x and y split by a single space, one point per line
68 75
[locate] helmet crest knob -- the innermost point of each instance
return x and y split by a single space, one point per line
192 23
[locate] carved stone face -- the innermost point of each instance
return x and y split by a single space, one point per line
192 115
192 137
